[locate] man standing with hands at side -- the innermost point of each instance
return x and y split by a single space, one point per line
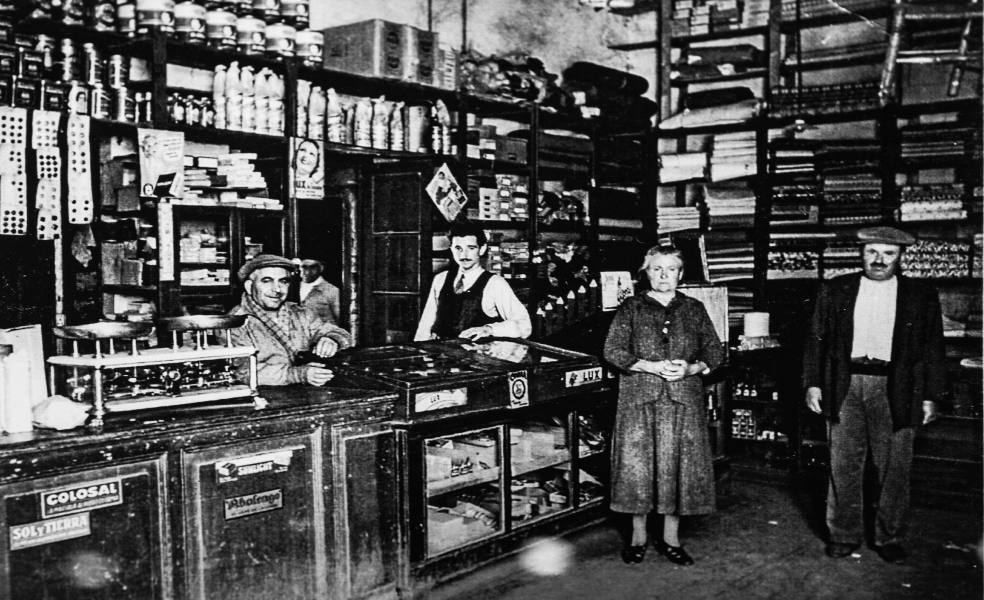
283 333
469 302
873 364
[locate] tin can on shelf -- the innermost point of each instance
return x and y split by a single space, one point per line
220 29
54 95
311 47
118 71
155 14
93 65
144 107
124 105
280 40
268 10
70 58
27 93
251 35
296 13
6 31
126 19
30 63
189 22
100 102
104 15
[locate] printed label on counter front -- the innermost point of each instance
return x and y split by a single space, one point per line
47 532
582 377
426 401
251 504
80 498
234 469
519 390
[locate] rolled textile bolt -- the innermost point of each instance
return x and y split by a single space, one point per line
247 83
380 123
303 98
363 123
396 132
316 114
334 118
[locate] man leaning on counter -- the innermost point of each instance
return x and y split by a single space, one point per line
285 334
467 301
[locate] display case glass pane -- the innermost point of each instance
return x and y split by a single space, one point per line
593 428
540 453
463 488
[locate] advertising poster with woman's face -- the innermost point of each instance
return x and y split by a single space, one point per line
307 169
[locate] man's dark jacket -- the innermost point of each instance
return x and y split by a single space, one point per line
917 371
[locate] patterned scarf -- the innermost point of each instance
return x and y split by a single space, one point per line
269 320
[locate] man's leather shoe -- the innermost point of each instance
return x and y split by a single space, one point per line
839 550
893 553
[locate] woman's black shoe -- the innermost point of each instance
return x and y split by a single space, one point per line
633 555
675 554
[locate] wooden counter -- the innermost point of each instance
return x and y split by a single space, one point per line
293 501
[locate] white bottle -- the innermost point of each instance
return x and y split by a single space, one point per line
303 98
276 85
218 96
247 84
316 113
261 101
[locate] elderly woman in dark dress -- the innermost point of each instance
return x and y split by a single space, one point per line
663 341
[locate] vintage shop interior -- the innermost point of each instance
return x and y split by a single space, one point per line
755 135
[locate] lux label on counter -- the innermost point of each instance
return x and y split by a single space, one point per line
582 377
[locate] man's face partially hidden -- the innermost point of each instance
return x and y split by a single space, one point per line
467 252
880 261
268 287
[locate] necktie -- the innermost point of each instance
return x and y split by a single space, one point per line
459 285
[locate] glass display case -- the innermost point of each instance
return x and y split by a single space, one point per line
463 474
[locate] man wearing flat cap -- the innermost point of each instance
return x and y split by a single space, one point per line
873 364
318 295
283 332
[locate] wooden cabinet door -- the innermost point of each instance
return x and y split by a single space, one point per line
395 259
254 526
95 533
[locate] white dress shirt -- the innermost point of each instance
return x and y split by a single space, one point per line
307 287
498 300
874 318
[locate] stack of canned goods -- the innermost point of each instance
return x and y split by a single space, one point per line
99 83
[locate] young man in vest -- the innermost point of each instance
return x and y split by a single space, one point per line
466 301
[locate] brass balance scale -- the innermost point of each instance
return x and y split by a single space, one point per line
132 379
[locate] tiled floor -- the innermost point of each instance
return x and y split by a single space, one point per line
763 543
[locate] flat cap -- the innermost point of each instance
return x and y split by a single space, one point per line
262 261
885 235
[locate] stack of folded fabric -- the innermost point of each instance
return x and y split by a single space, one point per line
715 107
937 140
609 94
936 259
677 218
700 17
833 98
739 305
789 259
729 205
933 203
852 199
841 257
730 261
977 268
682 167
733 155
808 9
711 62
796 191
